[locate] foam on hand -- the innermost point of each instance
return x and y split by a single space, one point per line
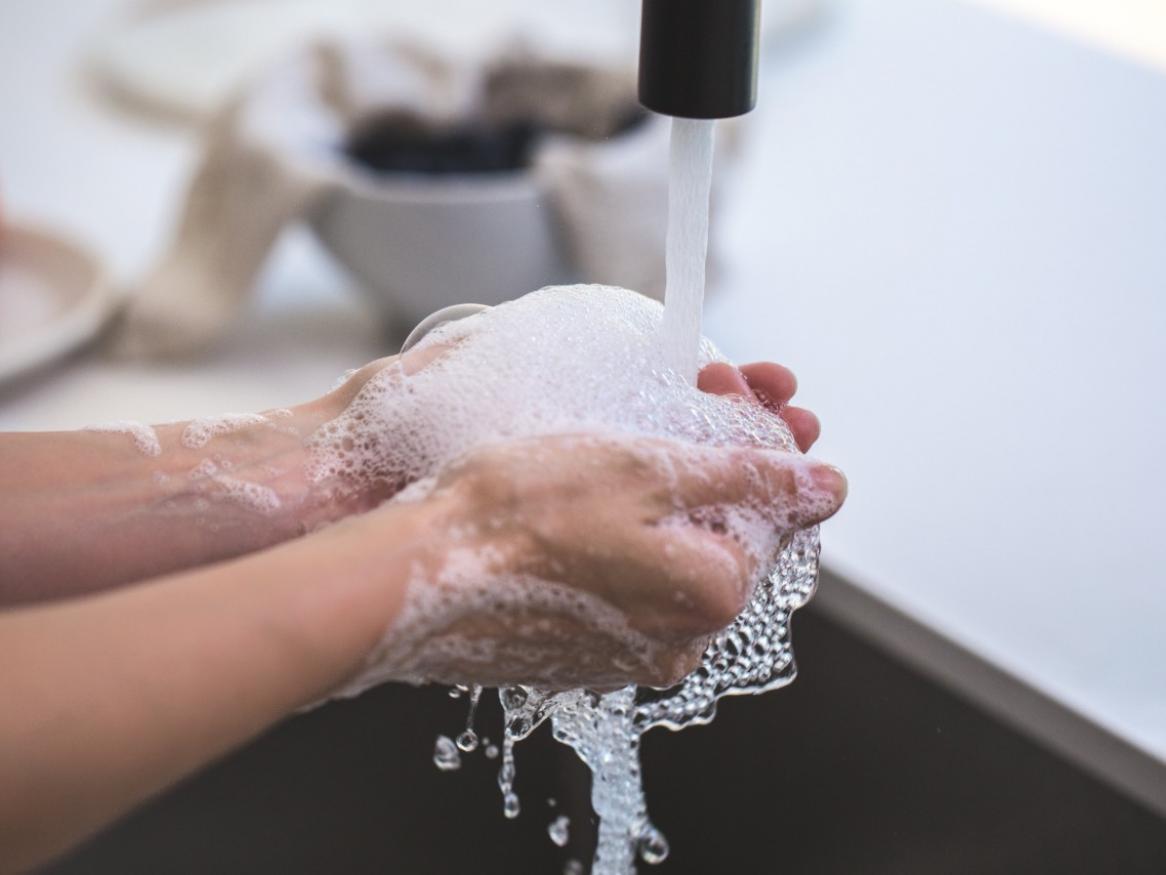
562 360
572 360
143 436
199 432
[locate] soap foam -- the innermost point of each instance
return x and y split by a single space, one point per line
144 437
199 432
211 479
253 496
571 360
562 360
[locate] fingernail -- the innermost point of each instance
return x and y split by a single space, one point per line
829 479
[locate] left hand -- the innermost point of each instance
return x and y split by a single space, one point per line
768 384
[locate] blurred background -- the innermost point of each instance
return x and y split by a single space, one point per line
949 217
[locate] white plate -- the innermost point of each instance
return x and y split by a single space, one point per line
185 58
54 296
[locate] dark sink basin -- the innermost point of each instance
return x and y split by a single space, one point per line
861 766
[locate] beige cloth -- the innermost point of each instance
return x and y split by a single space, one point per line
274 152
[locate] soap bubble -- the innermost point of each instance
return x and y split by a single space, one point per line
467 742
653 846
559 830
445 755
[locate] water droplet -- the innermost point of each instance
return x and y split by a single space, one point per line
512 697
573 867
653 846
511 807
560 830
467 742
445 754
491 751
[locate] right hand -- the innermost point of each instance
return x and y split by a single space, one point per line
595 561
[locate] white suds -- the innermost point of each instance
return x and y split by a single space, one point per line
562 360
254 496
144 436
199 432
212 482
204 469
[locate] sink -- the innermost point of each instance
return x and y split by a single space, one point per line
861 766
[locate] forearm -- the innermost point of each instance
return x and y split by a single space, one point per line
106 700
83 511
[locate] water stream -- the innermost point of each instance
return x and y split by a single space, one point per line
690 175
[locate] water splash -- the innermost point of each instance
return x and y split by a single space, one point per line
445 754
468 741
753 655
559 830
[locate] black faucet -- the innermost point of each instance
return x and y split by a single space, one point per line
698 58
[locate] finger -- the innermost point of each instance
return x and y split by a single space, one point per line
773 384
709 579
794 492
803 424
721 378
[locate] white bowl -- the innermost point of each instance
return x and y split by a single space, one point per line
418 243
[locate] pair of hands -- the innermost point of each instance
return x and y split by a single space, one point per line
560 561
576 560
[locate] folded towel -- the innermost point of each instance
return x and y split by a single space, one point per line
278 148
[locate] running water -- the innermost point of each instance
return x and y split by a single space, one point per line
690 174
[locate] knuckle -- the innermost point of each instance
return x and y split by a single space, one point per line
675 666
723 595
722 608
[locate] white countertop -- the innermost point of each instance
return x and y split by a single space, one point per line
954 228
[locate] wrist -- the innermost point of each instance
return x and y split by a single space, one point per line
350 582
327 499
243 481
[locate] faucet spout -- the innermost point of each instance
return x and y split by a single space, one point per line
698 58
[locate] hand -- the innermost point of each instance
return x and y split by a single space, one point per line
591 561
767 384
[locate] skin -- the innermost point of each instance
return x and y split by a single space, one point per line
112 692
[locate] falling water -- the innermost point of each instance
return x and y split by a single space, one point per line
690 173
